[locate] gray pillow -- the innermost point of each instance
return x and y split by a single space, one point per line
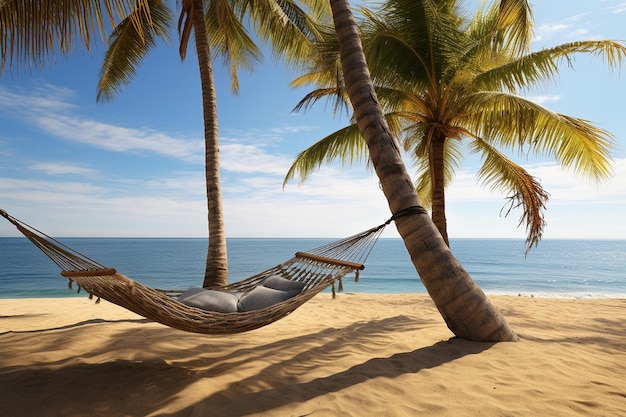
277 282
262 297
220 301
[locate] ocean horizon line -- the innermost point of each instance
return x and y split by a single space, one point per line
557 268
620 239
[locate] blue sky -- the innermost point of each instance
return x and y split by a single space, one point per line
134 166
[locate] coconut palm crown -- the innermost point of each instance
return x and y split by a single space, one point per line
450 86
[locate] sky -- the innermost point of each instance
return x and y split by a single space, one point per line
133 167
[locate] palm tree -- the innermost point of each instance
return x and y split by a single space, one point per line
217 28
445 82
463 305
32 33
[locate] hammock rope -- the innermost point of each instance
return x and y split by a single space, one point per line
357 248
66 258
315 269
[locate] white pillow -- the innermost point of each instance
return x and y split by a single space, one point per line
262 297
220 301
277 282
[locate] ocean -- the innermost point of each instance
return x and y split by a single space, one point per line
556 268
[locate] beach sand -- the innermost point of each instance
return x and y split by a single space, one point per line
357 355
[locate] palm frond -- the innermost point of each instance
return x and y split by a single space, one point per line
514 122
514 26
411 42
412 104
496 33
287 27
334 96
33 32
544 64
524 191
346 145
230 39
185 25
325 73
128 47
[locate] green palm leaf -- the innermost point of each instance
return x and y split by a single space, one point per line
516 123
524 191
544 64
346 145
290 29
127 47
33 32
230 39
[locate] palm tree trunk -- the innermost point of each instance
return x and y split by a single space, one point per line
436 156
465 308
216 271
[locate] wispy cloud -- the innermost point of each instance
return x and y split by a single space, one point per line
541 99
620 8
40 98
53 113
598 21
265 137
60 168
253 159
564 30
243 152
121 139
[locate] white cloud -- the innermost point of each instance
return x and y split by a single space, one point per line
60 168
41 99
120 139
15 185
53 113
620 8
262 137
241 158
541 99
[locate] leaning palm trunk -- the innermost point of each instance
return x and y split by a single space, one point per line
465 308
216 272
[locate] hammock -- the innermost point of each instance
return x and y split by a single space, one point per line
311 271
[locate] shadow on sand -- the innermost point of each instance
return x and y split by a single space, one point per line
149 376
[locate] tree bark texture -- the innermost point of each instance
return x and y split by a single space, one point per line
216 271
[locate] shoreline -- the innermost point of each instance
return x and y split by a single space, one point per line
360 354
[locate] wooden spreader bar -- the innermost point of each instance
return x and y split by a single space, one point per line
89 273
333 261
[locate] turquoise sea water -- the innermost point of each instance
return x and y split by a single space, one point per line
557 268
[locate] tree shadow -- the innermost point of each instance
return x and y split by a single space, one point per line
147 377
74 325
235 399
